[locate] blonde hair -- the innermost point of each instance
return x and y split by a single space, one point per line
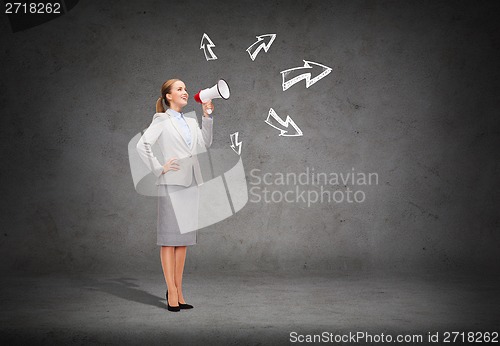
165 89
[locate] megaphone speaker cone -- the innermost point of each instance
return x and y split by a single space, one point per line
223 89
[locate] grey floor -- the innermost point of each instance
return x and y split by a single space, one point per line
242 308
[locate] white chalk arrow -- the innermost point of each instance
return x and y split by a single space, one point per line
206 45
235 145
272 115
307 75
261 44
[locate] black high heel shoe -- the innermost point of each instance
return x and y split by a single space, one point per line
181 306
172 308
185 306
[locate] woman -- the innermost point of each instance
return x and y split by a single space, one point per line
180 139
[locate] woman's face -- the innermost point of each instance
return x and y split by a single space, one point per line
178 96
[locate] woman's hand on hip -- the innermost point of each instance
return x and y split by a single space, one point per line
170 165
206 106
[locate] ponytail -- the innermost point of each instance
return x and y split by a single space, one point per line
159 106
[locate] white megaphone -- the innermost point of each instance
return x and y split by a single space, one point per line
219 90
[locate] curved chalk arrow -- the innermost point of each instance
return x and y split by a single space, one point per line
235 144
206 45
288 121
260 44
307 75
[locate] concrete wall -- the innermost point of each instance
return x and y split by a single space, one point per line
412 96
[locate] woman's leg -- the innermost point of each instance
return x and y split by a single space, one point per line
167 256
180 258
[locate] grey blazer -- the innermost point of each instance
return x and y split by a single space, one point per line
165 130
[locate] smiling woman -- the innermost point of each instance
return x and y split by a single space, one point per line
172 91
179 138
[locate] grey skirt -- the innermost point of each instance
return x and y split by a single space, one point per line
177 215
